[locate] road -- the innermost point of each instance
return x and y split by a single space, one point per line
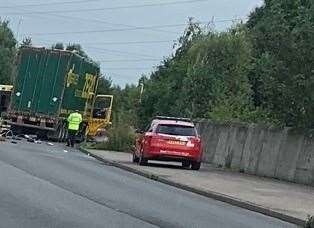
45 186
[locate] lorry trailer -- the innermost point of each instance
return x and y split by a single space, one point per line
48 85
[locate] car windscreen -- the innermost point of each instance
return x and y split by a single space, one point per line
170 129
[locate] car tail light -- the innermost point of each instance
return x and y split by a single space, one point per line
194 142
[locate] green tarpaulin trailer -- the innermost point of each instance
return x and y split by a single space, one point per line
49 84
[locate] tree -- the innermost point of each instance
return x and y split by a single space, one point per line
163 91
27 41
282 74
58 46
77 48
7 53
207 77
104 85
217 85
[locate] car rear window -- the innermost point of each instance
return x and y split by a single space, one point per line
170 129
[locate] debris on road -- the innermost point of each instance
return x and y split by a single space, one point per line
30 140
26 136
6 133
16 138
2 139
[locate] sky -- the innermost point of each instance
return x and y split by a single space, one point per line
128 37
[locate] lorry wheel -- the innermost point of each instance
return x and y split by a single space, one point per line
196 165
65 133
59 133
65 136
62 134
55 135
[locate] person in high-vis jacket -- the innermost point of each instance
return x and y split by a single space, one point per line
74 121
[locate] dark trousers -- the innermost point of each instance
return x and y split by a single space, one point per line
71 137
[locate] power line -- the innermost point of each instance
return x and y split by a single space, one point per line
106 22
108 8
100 21
85 19
107 30
128 68
106 50
94 20
130 42
49 4
119 75
128 60
118 42
123 29
120 52
119 24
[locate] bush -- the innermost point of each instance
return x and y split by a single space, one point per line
121 137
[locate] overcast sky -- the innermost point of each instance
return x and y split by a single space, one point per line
128 37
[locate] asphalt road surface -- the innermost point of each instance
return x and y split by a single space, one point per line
45 186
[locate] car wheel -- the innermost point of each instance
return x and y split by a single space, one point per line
186 164
142 161
196 165
135 159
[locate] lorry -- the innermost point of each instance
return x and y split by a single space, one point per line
48 85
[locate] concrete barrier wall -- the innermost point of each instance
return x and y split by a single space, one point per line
285 154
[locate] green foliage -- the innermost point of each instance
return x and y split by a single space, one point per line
104 86
206 78
58 46
125 104
7 53
27 41
261 71
282 74
121 137
77 48
163 91
218 75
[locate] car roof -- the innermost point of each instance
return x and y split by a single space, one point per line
174 122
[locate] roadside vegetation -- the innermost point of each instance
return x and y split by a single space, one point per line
260 71
7 53
121 137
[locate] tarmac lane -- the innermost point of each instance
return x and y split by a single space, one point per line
54 186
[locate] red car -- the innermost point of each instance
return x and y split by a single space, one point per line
170 139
